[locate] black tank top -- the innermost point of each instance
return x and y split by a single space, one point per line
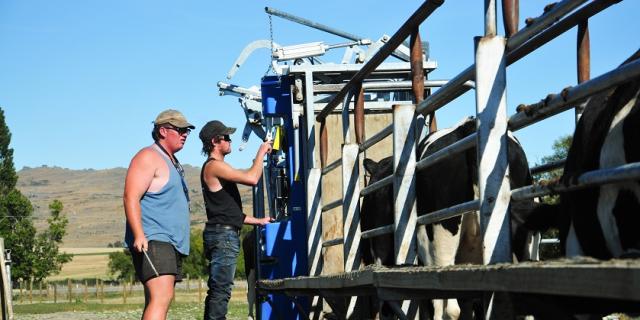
223 206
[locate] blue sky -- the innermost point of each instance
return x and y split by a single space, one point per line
81 81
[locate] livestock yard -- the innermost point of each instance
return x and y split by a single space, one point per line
337 278
444 223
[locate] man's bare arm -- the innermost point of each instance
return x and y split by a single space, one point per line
249 176
139 176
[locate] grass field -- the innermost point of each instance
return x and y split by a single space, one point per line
187 305
92 263
77 311
87 263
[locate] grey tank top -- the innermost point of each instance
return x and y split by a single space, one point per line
165 214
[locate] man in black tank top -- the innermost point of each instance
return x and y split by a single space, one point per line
224 212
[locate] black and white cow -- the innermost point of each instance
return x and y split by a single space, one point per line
601 221
444 184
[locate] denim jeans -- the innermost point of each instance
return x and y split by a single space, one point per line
222 247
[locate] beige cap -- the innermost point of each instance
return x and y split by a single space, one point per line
173 117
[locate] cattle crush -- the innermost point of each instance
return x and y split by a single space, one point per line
506 289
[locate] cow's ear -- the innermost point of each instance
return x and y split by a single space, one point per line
370 165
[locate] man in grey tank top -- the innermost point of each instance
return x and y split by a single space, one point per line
156 204
224 212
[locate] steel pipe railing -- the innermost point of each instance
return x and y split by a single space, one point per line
557 103
625 172
518 46
405 30
377 185
325 28
332 166
428 218
542 22
375 232
559 28
459 146
333 242
385 132
383 85
454 148
446 213
332 205
549 166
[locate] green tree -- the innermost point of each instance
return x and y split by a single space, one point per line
121 266
34 256
560 150
47 242
8 176
195 265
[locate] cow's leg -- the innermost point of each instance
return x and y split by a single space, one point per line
469 251
424 251
606 202
532 251
445 246
470 246
446 309
573 246
251 292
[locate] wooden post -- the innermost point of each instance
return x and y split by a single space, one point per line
40 293
187 284
124 292
86 293
6 285
69 290
21 294
199 290
30 290
55 293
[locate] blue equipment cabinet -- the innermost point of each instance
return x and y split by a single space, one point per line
282 244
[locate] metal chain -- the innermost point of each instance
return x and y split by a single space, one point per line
270 67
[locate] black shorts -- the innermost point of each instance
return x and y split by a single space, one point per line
164 257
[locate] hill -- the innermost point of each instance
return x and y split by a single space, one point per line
92 201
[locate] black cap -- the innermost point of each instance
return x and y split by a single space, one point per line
213 129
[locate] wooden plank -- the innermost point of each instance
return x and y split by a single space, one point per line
615 279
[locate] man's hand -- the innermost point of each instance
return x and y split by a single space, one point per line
140 244
265 221
266 147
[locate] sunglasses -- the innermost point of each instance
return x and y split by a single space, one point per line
225 137
180 131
